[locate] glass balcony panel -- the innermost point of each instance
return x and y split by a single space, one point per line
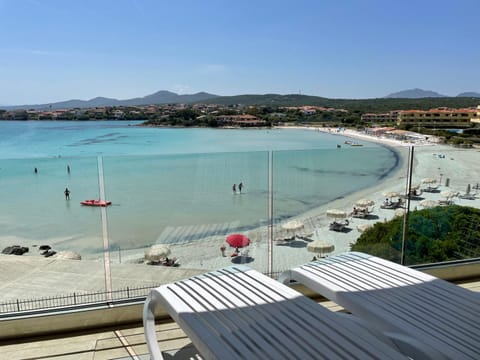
443 224
185 203
35 214
320 189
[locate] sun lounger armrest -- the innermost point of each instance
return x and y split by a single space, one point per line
149 325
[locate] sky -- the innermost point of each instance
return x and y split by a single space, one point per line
55 50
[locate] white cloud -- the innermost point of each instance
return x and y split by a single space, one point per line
213 68
39 52
182 89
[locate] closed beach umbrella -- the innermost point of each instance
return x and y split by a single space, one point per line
429 181
449 194
68 255
336 214
365 203
428 203
320 247
157 252
364 227
399 212
293 225
237 240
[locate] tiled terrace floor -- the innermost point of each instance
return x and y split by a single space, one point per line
128 343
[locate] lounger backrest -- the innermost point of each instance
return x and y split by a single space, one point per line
398 299
239 313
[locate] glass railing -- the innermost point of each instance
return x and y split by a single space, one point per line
174 215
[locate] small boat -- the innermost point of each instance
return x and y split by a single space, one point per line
347 142
356 144
92 202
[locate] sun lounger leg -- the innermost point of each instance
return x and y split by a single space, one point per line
149 326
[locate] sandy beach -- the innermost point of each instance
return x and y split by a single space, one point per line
458 167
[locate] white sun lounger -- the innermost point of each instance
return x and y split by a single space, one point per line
425 316
239 313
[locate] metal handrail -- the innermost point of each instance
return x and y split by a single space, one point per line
20 306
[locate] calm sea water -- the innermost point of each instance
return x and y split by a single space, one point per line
166 185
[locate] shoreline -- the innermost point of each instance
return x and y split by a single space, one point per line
426 164
314 218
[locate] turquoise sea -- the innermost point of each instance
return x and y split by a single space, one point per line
167 185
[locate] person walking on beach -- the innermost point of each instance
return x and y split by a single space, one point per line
67 194
240 187
234 188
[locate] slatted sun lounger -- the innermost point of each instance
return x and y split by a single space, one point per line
425 316
239 313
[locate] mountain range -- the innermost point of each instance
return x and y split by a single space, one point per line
160 97
168 97
419 94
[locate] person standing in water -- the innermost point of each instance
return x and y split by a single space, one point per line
35 170
234 188
240 187
68 169
67 194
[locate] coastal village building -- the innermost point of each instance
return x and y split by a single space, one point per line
241 120
476 119
436 118
379 118
442 117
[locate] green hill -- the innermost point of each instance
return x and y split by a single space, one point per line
359 105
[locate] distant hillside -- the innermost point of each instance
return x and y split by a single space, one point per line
274 100
353 105
414 94
469 94
160 97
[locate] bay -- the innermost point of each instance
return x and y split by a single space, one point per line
167 185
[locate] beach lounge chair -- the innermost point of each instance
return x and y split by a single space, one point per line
239 313
425 316
338 225
431 189
392 204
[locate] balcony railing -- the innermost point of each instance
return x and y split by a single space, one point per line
291 202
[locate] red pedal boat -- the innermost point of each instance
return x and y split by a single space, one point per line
95 202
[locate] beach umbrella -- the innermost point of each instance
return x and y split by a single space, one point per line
364 227
428 203
429 181
293 225
68 255
237 240
320 247
157 252
365 203
336 214
449 194
391 194
399 212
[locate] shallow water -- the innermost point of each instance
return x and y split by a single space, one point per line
167 185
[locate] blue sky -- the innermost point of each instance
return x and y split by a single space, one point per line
54 50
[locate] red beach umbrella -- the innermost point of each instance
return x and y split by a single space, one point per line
238 240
